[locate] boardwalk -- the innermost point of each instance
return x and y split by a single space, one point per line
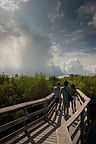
45 131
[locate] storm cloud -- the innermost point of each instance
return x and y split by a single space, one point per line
54 37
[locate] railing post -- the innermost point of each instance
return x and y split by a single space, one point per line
88 114
45 106
25 123
82 127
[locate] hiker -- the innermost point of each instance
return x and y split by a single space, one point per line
74 95
57 94
66 104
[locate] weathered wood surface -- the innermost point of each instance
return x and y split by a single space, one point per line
54 129
25 105
46 131
79 113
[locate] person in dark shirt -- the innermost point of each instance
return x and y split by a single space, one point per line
65 91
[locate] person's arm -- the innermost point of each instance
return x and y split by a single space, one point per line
60 100
60 95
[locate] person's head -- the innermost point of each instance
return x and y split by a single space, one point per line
66 83
73 86
58 83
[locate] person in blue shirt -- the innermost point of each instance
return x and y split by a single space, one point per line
57 94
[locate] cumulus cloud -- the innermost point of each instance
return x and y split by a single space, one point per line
46 36
11 4
70 62
75 67
88 12
86 9
93 23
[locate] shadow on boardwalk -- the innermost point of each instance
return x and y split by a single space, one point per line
44 132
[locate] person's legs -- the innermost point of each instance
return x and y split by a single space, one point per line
75 105
68 106
60 105
56 107
72 106
67 111
56 103
64 108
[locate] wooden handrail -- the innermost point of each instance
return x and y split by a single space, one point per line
48 104
63 130
25 106
79 111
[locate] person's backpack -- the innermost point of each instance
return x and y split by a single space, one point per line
69 96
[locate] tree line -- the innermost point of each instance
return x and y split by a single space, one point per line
18 89
87 84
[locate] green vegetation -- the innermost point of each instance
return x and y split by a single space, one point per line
18 89
87 84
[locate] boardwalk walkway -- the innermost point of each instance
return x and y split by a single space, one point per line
45 131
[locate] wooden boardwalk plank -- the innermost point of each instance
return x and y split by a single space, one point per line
45 132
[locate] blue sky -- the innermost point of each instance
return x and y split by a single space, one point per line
55 37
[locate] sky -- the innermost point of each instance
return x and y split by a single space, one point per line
55 37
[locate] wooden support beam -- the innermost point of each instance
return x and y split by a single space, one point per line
82 127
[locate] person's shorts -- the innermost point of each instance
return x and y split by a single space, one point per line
66 104
74 98
57 100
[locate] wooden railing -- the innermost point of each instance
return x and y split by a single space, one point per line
44 108
35 111
82 115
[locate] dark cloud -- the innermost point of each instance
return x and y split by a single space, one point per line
73 28
29 29
33 20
